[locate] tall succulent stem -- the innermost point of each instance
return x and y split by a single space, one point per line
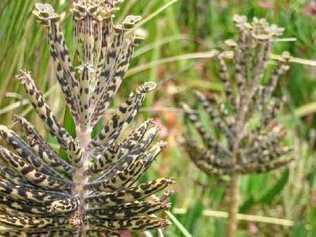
82 180
234 196
234 192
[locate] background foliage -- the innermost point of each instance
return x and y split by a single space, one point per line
187 27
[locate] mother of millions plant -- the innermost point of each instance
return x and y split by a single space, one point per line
96 194
245 137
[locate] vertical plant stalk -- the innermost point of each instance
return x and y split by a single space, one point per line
233 205
234 186
84 139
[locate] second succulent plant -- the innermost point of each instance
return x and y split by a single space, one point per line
244 135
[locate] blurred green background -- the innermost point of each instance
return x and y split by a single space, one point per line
168 56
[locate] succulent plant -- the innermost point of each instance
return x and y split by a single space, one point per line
97 192
244 135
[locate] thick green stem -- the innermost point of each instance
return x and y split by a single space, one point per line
233 206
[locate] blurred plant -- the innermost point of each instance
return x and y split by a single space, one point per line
245 137
96 193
